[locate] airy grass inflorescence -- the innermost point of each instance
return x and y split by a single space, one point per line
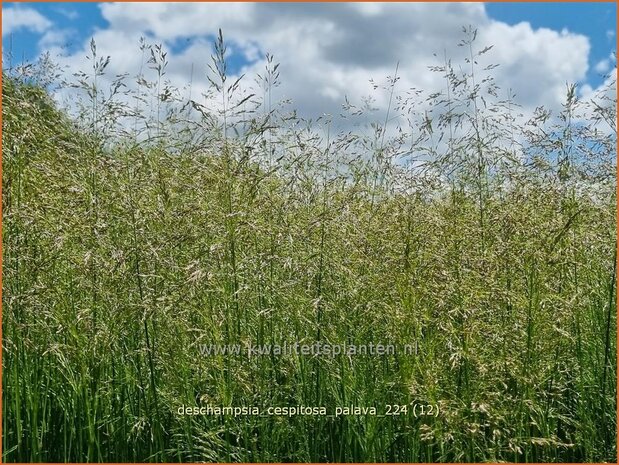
151 224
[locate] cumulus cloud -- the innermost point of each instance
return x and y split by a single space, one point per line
19 18
68 13
536 64
602 100
330 51
603 66
54 38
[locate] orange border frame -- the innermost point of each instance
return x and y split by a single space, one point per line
303 1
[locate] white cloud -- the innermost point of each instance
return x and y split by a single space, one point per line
54 37
602 97
602 66
537 63
17 18
329 51
606 90
68 13
369 9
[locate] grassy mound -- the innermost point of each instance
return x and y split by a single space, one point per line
126 257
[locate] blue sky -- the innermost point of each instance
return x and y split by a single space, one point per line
333 49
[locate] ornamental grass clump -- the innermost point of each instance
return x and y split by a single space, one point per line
146 222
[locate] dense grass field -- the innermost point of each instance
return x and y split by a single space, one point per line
144 226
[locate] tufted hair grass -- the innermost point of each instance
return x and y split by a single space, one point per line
133 232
